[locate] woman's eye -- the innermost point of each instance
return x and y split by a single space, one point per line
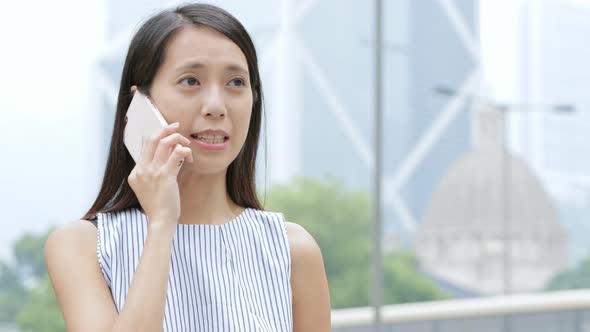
190 81
237 82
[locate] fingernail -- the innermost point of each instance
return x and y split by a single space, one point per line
175 124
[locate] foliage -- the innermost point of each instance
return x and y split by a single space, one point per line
340 222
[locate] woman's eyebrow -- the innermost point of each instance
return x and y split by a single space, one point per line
198 65
238 68
189 65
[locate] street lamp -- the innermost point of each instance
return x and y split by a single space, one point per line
504 108
377 289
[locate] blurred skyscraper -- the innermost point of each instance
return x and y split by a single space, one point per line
553 69
427 131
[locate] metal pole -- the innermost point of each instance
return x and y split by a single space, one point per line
506 215
506 205
377 249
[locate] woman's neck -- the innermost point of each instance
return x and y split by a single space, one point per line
204 200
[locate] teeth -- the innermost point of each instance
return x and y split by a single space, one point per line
211 138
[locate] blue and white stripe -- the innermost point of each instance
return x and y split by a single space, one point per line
229 277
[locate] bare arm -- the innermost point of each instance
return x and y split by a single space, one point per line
311 296
83 295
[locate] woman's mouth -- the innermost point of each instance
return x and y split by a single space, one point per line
210 142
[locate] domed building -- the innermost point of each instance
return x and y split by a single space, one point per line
484 195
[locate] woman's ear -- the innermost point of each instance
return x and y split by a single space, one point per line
133 89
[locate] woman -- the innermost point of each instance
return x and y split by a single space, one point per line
188 247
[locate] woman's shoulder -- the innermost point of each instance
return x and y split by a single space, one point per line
302 243
77 231
73 240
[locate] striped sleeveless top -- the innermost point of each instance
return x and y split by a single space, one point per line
228 277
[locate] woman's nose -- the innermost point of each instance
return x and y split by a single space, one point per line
213 104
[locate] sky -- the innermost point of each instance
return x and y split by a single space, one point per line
499 47
44 100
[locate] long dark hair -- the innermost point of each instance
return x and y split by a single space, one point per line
144 57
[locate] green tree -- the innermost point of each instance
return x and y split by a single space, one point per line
41 311
340 221
26 295
12 293
29 253
578 277
403 283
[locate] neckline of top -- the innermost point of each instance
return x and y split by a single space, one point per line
225 224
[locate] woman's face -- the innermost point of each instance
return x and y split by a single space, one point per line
204 84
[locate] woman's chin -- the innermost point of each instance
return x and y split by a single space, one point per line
203 168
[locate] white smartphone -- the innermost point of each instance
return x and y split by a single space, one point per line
142 121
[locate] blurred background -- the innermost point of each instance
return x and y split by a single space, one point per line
480 170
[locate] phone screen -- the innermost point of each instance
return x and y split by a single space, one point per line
143 120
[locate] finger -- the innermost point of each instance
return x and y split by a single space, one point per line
166 146
152 142
176 160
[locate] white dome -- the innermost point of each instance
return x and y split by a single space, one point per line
472 194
